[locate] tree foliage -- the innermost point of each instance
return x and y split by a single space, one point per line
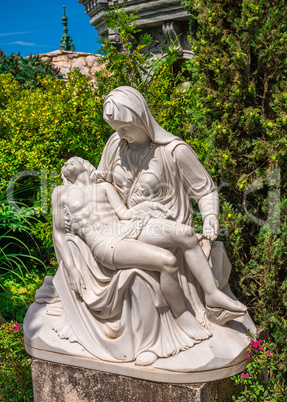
240 79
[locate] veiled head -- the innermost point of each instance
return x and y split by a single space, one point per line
126 104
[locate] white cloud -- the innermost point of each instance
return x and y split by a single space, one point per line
19 42
13 33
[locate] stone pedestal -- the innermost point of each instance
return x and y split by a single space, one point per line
54 382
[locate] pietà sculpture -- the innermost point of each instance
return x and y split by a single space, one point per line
136 287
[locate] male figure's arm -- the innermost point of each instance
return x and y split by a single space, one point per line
61 245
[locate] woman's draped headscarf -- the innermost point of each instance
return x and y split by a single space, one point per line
126 104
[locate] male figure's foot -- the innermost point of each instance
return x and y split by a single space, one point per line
218 299
189 324
146 359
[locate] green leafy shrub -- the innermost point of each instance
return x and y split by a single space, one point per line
15 365
26 70
17 292
239 72
14 223
40 130
265 282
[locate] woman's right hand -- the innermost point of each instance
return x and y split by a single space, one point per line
210 227
154 209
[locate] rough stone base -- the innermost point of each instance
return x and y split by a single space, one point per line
54 382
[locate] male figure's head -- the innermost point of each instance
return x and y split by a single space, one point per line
74 167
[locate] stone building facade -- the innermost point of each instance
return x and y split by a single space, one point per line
163 19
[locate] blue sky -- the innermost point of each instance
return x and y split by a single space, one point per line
33 26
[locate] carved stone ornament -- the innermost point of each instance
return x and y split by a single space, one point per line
137 291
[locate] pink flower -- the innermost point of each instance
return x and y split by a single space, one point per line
260 341
251 343
268 353
247 356
255 344
250 350
242 375
246 376
260 348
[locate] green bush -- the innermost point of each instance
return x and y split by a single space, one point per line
129 67
40 130
15 365
239 74
17 292
26 70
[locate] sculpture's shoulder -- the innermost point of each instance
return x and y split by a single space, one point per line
113 141
111 149
180 150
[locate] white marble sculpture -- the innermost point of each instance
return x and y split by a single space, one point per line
134 286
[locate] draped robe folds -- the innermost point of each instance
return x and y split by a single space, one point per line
123 312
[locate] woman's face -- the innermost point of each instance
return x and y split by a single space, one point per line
130 132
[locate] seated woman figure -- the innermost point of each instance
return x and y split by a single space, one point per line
122 238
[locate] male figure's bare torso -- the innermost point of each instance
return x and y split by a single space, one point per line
90 213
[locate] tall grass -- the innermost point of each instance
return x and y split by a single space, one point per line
16 258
